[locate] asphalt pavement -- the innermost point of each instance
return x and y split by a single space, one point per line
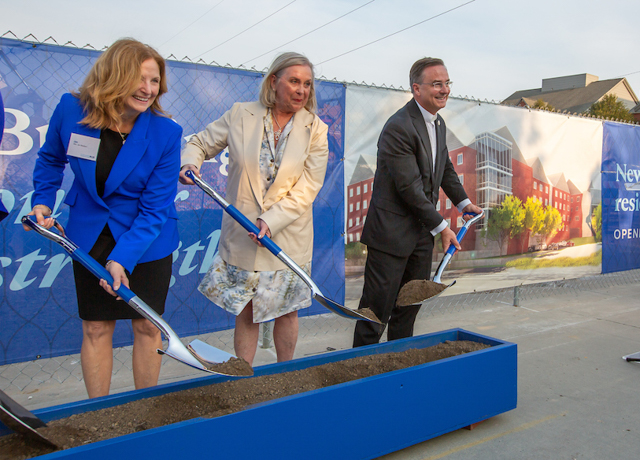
576 395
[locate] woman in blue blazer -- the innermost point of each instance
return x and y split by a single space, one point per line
125 155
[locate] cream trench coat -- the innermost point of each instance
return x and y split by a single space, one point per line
287 205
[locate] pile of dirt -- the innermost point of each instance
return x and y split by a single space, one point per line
218 399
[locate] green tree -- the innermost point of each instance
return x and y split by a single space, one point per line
498 227
541 104
610 107
596 222
513 206
552 222
533 218
504 222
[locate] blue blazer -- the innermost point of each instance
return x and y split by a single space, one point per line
138 201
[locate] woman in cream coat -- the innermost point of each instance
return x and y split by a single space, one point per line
278 153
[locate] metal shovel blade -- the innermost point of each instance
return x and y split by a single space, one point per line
417 291
20 420
207 358
633 357
280 254
344 311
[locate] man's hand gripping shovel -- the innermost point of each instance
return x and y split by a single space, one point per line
418 291
197 354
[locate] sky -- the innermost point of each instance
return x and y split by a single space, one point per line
492 48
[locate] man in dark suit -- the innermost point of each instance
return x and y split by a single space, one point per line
402 220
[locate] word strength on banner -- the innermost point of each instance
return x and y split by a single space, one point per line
38 307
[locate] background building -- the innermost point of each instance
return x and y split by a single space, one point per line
575 93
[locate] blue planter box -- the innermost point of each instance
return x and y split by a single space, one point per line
361 419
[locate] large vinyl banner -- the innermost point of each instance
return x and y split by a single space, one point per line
38 312
620 197
538 171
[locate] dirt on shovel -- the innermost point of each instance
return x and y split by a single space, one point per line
416 291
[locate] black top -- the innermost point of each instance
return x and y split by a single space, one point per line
110 144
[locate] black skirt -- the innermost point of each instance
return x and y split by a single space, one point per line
149 281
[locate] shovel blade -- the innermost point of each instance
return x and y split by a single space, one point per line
218 361
429 290
634 357
204 357
20 420
343 311
209 353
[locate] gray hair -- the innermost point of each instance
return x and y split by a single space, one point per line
279 64
415 74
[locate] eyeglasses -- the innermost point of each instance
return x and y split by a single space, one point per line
438 84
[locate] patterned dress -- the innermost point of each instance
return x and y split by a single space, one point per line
274 293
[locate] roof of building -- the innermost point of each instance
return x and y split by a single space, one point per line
537 170
575 93
573 190
572 100
361 172
559 181
636 109
453 142
516 154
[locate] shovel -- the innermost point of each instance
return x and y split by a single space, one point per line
20 420
197 354
280 254
418 291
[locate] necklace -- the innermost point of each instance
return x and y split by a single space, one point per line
277 134
124 138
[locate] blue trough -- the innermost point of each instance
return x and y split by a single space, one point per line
361 419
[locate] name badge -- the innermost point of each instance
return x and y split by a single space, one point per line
84 147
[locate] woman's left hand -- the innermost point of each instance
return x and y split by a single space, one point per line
264 230
119 278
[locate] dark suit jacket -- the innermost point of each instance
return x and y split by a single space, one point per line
405 188
138 196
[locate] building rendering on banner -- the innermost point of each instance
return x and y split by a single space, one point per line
358 199
575 93
494 167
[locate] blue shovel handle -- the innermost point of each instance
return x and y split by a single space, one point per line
463 231
78 254
240 218
101 272
253 228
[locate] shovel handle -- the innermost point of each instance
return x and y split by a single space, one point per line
463 231
101 273
253 228
233 212
78 254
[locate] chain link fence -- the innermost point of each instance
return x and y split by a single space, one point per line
37 300
205 96
28 377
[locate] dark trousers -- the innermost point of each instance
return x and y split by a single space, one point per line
384 275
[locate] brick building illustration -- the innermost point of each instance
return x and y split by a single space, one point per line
358 199
490 168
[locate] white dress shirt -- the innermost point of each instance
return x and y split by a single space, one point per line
430 121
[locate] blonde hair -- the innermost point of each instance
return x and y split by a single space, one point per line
279 64
114 77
